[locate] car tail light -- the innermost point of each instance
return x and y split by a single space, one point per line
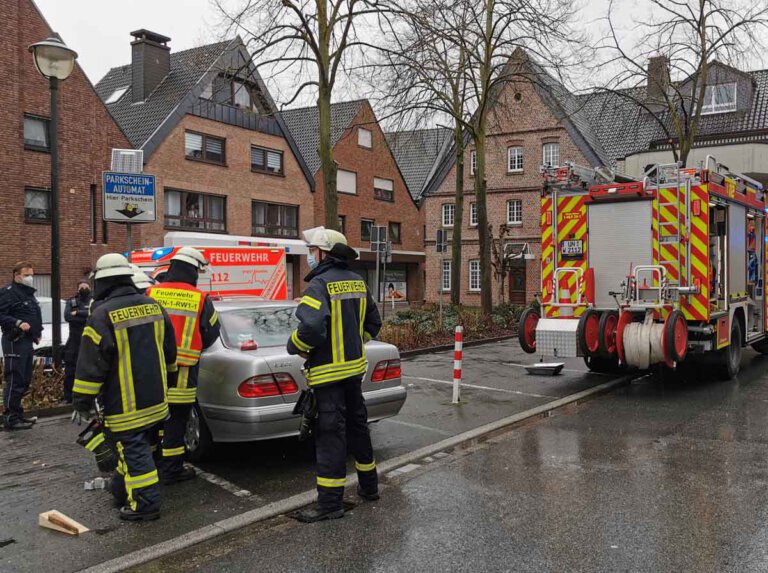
268 385
386 370
249 345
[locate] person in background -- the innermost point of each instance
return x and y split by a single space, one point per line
21 321
75 313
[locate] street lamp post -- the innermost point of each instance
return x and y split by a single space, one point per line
55 61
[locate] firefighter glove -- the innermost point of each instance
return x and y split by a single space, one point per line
81 414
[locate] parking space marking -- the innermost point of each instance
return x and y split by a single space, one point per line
478 387
418 426
225 485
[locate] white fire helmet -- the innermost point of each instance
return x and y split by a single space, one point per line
192 256
140 279
322 238
112 265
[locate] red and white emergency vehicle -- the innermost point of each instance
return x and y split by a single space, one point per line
239 266
643 272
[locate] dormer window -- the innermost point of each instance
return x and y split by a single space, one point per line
720 98
241 95
207 92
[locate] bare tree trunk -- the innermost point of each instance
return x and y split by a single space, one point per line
486 296
327 165
458 140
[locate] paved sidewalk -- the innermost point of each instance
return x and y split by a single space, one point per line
44 469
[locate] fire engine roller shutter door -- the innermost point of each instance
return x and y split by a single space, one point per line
737 250
619 234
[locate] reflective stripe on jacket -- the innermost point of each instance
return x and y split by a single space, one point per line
184 304
126 350
337 315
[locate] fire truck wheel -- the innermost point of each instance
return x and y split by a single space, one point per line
606 340
589 332
675 337
526 330
729 358
602 365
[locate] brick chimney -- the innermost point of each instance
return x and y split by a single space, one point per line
150 62
658 79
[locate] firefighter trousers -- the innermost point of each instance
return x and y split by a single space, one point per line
18 374
182 392
135 481
342 427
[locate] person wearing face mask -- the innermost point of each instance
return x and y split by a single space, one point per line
196 324
337 316
21 322
75 313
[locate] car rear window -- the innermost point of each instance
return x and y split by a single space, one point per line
268 326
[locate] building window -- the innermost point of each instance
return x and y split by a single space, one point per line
346 182
94 216
201 147
366 228
394 233
383 189
449 209
116 95
474 276
199 211
551 154
274 219
266 160
514 159
207 92
473 214
36 133
241 95
514 212
472 162
364 138
37 205
720 98
445 278
343 224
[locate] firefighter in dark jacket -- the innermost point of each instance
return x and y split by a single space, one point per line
127 352
337 316
75 313
197 327
22 325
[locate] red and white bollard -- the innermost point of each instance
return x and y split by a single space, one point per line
457 353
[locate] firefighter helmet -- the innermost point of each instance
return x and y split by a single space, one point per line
140 279
191 256
112 265
324 239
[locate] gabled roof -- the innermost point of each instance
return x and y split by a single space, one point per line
417 153
140 120
624 127
304 125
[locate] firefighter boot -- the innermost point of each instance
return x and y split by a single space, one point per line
368 495
128 514
185 474
316 513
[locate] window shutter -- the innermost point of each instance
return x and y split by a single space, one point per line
257 158
193 142
214 146
274 161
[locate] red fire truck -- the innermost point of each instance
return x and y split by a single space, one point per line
653 271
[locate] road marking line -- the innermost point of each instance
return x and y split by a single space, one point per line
224 484
418 426
478 387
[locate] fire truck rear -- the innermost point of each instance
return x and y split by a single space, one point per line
654 271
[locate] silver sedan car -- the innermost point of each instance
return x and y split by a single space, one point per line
249 384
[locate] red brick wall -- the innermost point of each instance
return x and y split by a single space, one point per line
86 135
369 163
526 123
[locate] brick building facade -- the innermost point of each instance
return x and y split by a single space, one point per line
372 191
530 124
225 162
86 132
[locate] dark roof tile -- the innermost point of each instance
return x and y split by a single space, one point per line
417 153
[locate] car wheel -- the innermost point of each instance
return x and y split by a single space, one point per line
197 437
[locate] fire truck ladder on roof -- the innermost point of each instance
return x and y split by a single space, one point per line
674 221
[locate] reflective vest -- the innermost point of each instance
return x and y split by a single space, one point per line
184 304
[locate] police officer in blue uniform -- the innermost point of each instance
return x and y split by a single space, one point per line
22 325
337 316
75 313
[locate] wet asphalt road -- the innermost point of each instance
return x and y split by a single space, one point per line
44 469
658 476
